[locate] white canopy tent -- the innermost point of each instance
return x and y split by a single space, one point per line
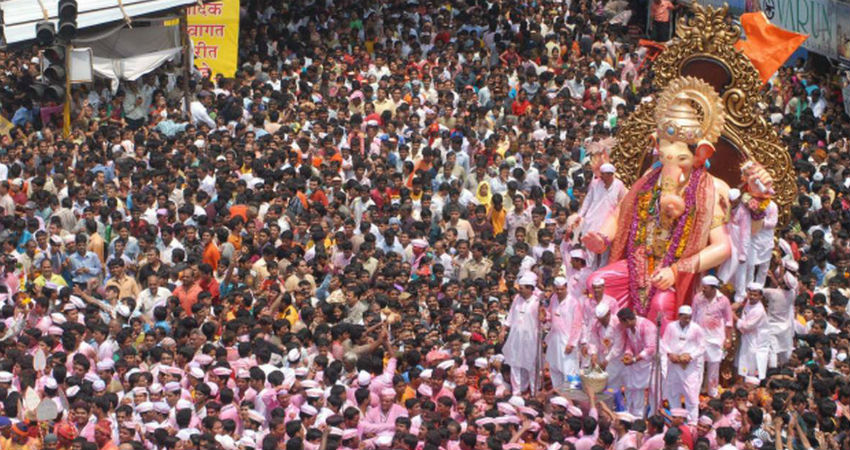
123 53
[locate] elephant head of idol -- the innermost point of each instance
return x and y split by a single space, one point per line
689 120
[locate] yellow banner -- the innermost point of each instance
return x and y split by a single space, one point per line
5 126
214 31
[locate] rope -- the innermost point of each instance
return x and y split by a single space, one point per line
127 18
44 10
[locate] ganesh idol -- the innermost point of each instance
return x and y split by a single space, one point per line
669 227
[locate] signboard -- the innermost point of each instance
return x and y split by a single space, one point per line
81 65
214 30
812 17
842 30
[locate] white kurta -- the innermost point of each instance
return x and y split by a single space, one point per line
780 316
683 381
600 337
713 316
520 347
739 237
600 203
588 306
753 328
762 240
577 282
640 343
566 329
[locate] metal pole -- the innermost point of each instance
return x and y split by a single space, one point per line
66 114
656 362
535 385
187 71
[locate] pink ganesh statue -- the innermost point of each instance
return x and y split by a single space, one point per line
670 226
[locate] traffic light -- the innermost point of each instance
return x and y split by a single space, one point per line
67 19
51 88
45 33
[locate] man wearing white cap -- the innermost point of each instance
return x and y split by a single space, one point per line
603 196
522 342
597 297
780 312
739 236
713 312
597 342
562 343
683 348
577 273
751 321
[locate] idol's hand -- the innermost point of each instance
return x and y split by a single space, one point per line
663 278
573 222
758 179
595 242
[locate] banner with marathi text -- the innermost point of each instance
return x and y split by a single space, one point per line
214 30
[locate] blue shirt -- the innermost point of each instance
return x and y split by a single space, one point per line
22 116
170 127
820 274
108 171
89 261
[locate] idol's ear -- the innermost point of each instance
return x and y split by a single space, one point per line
703 151
653 143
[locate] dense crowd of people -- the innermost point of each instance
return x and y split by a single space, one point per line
369 238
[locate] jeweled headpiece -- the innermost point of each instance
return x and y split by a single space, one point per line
689 110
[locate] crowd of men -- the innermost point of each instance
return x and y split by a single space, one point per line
363 240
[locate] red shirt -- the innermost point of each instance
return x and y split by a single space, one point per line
520 108
318 196
212 287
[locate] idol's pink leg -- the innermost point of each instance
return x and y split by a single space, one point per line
665 303
616 276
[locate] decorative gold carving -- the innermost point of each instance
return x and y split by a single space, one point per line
706 36
689 110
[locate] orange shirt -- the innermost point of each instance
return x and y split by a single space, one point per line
211 255
304 202
497 219
239 210
188 297
235 240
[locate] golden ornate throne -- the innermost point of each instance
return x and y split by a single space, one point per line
704 48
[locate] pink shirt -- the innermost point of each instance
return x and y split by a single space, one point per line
656 442
376 421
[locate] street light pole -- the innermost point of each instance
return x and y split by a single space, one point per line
66 116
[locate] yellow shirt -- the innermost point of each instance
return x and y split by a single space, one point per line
9 444
127 286
497 219
290 314
55 279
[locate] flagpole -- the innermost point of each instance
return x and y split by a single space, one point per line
655 392
535 385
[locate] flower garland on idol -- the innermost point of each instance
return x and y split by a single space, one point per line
646 208
757 208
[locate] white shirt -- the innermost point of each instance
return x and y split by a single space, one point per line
148 300
199 114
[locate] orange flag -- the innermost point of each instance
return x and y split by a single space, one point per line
767 45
